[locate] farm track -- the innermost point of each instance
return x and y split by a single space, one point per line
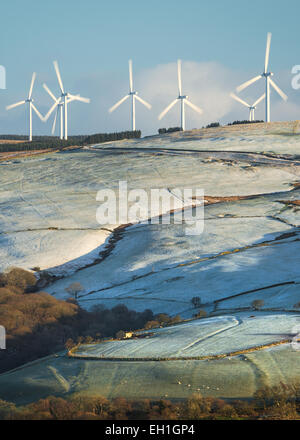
60 379
211 335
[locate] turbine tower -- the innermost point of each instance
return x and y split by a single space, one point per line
250 107
134 95
30 106
267 75
183 100
62 102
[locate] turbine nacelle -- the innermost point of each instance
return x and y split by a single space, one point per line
267 74
183 97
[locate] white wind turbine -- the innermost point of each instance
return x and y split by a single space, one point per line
58 104
250 107
183 100
31 106
267 75
134 95
62 104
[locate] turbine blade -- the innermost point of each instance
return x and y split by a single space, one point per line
79 98
165 111
50 111
31 85
149 106
37 112
130 76
8 107
269 36
49 92
179 77
118 103
259 100
248 83
278 90
194 107
239 100
54 122
55 63
72 98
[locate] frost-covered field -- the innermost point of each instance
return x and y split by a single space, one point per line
199 338
229 377
48 204
249 250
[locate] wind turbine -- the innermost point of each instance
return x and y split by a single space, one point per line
250 107
62 102
183 100
31 106
58 104
134 95
267 75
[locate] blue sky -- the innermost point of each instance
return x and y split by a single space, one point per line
93 40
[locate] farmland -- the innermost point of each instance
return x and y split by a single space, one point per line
248 251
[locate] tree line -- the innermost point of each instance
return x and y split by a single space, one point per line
280 402
245 121
46 142
38 324
169 130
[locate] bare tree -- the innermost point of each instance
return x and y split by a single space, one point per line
74 289
196 301
201 314
257 304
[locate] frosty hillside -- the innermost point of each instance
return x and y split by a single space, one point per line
244 267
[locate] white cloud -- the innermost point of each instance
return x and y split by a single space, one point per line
207 84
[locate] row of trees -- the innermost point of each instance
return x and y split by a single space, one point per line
107 137
213 125
45 142
257 304
168 130
280 402
245 121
